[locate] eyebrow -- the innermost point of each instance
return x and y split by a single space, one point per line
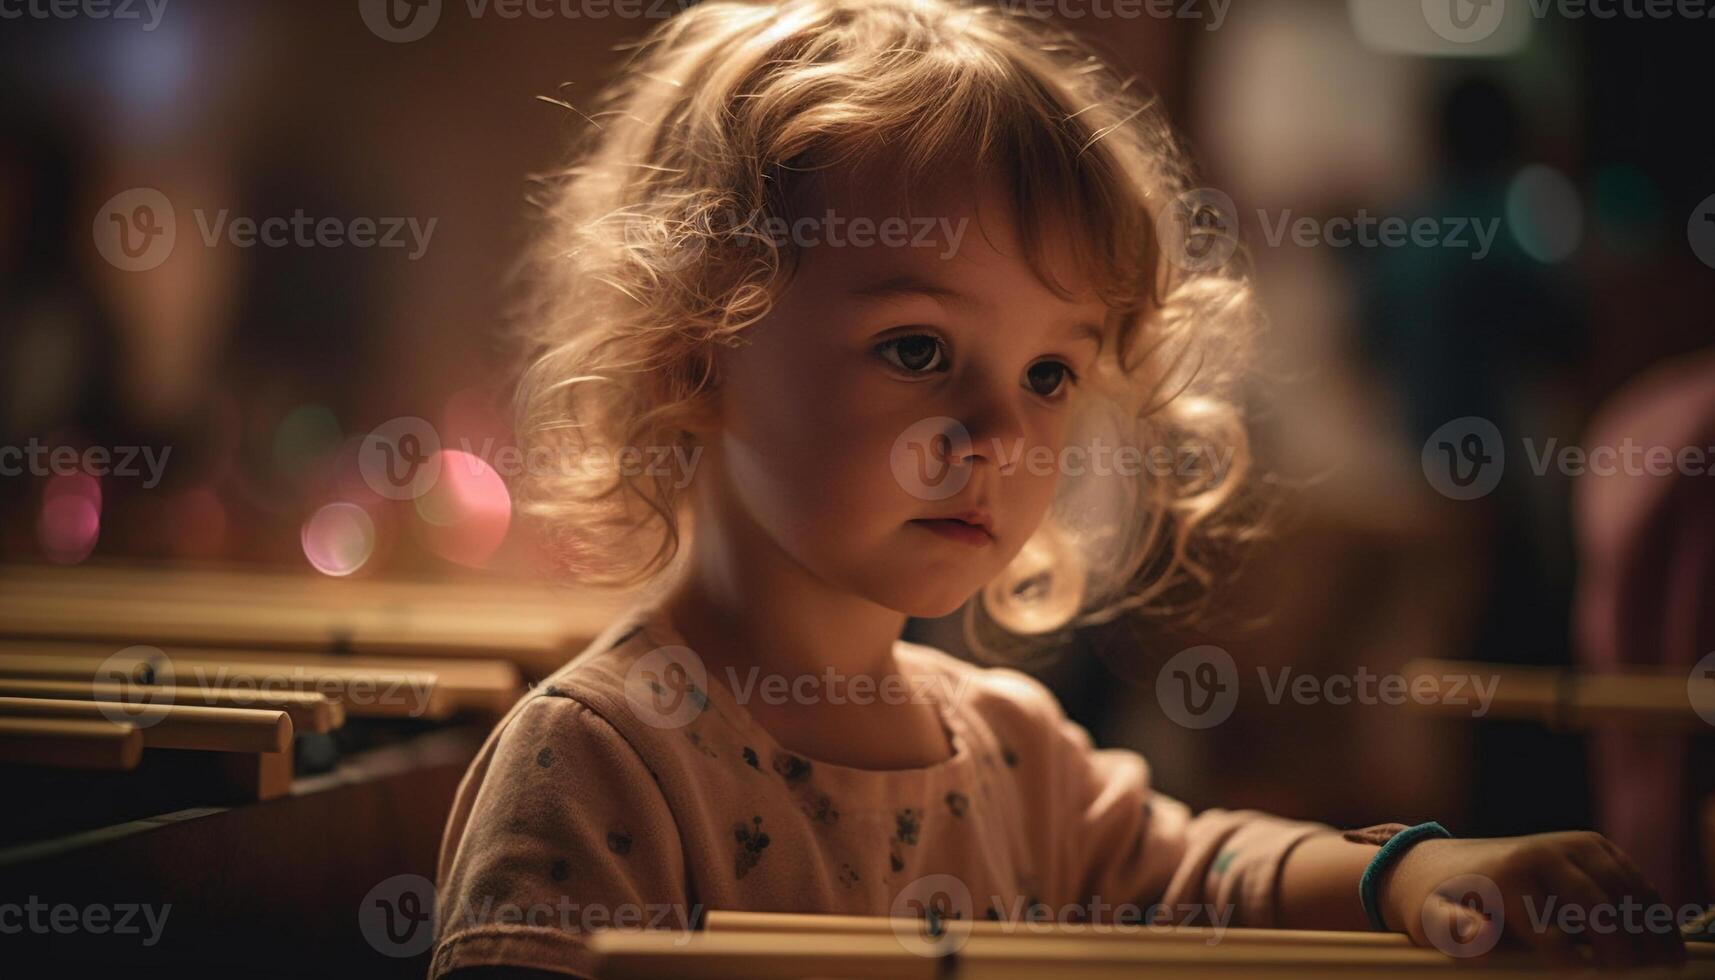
895 287
904 286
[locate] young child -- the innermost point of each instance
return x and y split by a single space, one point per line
830 295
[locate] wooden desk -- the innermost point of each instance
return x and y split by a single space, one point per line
776 947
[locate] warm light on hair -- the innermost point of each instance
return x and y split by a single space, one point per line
647 266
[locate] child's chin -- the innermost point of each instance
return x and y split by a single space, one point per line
929 600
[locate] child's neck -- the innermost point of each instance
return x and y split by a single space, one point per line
745 605
743 609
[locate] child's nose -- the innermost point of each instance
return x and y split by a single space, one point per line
991 416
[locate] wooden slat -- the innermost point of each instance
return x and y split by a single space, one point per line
258 776
478 686
422 630
361 691
861 925
70 743
309 711
707 955
173 726
1560 699
234 582
729 920
1014 960
533 625
1031 969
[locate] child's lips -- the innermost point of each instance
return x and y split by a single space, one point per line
971 531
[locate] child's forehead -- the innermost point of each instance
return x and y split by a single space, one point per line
870 190
952 227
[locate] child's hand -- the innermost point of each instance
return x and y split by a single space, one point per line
1550 892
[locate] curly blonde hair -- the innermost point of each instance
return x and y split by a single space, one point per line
650 262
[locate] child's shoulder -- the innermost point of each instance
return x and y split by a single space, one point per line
610 671
611 702
998 697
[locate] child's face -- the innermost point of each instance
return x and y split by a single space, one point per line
830 421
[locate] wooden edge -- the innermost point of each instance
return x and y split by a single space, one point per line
362 691
1561 698
70 743
256 777
794 922
779 954
368 686
172 726
310 711
817 953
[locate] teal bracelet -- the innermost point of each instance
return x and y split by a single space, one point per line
1384 859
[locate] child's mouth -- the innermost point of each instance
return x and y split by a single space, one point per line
955 529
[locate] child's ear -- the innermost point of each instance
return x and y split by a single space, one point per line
701 416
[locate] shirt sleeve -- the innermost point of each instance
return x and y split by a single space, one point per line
558 830
1122 841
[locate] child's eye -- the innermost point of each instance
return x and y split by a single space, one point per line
1049 378
914 354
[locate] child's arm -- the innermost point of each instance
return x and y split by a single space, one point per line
1318 886
1253 869
1424 892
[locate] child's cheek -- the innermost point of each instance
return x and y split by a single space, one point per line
1027 492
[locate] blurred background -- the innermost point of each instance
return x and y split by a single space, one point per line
136 315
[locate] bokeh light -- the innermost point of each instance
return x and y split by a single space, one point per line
1544 213
70 521
304 443
467 512
339 538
